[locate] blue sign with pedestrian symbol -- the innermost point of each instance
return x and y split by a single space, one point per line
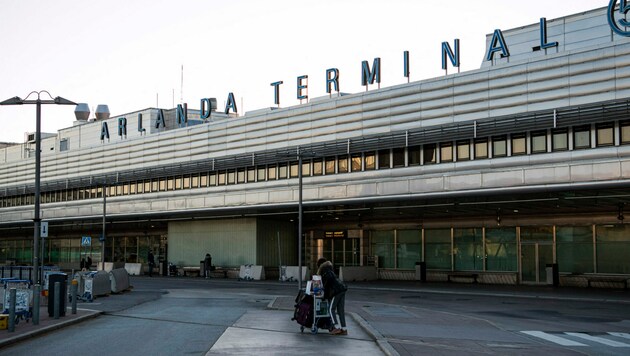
86 241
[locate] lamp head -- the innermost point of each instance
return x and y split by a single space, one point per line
16 100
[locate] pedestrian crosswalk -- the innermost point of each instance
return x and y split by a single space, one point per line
571 339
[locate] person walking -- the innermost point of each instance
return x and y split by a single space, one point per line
207 265
335 293
151 260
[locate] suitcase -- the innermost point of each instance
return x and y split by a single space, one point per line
303 313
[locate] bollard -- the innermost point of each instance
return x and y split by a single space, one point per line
36 294
57 300
12 310
73 294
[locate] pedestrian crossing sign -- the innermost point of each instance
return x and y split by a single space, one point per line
86 241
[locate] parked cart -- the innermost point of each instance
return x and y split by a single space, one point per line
311 308
23 298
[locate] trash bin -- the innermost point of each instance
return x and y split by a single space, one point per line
421 271
553 276
63 291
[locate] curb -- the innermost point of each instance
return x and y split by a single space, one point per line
49 328
380 340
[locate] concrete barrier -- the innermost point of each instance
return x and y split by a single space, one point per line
101 284
134 269
357 273
292 273
251 272
119 279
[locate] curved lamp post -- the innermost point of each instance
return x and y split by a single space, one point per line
36 218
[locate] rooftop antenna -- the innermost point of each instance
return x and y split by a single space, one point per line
181 92
157 101
173 97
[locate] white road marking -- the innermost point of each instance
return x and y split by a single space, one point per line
553 338
598 339
622 335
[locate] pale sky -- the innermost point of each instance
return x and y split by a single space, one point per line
129 54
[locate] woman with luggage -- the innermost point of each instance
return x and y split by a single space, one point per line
335 292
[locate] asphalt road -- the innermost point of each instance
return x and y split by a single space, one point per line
176 316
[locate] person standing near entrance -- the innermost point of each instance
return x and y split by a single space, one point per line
335 292
151 260
207 265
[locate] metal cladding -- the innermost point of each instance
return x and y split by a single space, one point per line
102 112
82 112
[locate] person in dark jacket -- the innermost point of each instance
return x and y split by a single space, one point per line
151 260
207 265
335 292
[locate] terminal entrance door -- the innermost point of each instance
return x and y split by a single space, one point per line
534 259
536 253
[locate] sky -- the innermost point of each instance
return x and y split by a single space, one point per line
130 54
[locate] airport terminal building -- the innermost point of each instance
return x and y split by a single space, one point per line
496 172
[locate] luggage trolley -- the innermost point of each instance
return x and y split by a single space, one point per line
23 298
311 308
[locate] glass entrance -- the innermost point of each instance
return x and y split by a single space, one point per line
534 259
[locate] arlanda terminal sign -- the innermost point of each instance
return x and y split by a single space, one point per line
498 46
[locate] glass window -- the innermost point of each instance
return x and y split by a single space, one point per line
369 161
356 162
240 176
501 251
539 141
318 167
306 168
212 179
342 164
383 247
261 173
132 188
186 182
499 146
330 165
251 174
282 171
581 137
272 172
231 176
222 178
468 249
293 169
194 181
398 157
446 152
178 183
119 191
481 148
519 145
613 248
155 185
409 248
463 150
560 140
383 159
147 188
162 184
574 249
605 135
429 153
413 155
625 131
170 183
438 248
203 180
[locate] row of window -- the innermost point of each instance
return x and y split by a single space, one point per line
563 139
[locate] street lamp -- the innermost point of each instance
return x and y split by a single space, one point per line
36 219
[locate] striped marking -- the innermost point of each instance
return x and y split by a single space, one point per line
621 335
553 338
598 339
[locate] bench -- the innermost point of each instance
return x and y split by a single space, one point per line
462 275
194 271
612 279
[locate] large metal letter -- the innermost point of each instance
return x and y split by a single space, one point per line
368 76
104 131
332 78
448 52
208 105
140 128
276 92
182 114
623 9
301 87
122 126
231 104
497 43
543 35
160 119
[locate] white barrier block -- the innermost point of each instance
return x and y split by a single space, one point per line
251 272
292 273
134 269
357 273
